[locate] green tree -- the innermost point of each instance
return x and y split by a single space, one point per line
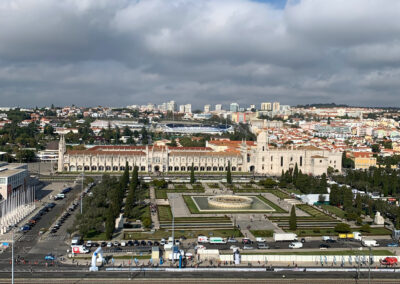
192 177
334 198
295 173
366 228
25 156
358 204
110 223
229 174
293 219
342 228
348 199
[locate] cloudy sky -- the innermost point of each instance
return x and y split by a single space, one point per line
122 52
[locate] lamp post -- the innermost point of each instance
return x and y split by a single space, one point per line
82 193
12 256
369 265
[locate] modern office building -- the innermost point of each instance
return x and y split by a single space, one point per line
13 177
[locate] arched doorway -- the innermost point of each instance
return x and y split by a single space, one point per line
251 168
156 168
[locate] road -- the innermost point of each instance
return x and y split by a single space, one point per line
210 276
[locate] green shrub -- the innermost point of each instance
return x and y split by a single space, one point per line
342 228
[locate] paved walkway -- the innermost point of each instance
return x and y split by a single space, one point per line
154 215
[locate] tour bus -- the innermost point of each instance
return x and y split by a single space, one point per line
217 240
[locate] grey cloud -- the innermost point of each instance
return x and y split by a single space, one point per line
120 52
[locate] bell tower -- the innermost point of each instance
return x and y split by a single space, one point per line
61 151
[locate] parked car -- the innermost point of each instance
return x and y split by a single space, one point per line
136 243
49 257
89 244
116 243
129 243
123 244
149 243
248 247
324 246
162 242
233 247
262 246
25 228
232 240
143 243
156 244
109 244
246 241
103 244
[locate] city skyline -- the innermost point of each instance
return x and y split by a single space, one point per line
203 52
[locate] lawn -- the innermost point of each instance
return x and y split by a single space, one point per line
313 212
159 234
194 210
278 193
213 185
272 204
375 231
302 232
180 186
262 233
334 210
162 193
164 213
308 232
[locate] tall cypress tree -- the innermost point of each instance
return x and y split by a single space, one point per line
229 174
192 177
295 173
293 219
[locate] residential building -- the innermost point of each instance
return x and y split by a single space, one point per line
234 107
266 106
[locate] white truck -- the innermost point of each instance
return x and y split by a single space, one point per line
79 249
217 240
370 243
285 237
202 240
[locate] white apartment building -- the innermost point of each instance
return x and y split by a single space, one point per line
266 106
12 177
276 106
188 108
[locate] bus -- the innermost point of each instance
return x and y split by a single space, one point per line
217 240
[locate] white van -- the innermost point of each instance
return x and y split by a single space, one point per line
296 245
202 239
260 240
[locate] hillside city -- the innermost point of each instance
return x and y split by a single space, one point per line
165 185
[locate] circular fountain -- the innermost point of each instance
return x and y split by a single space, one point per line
230 201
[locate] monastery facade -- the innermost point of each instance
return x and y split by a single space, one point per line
244 156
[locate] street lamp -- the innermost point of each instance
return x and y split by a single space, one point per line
12 255
82 193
